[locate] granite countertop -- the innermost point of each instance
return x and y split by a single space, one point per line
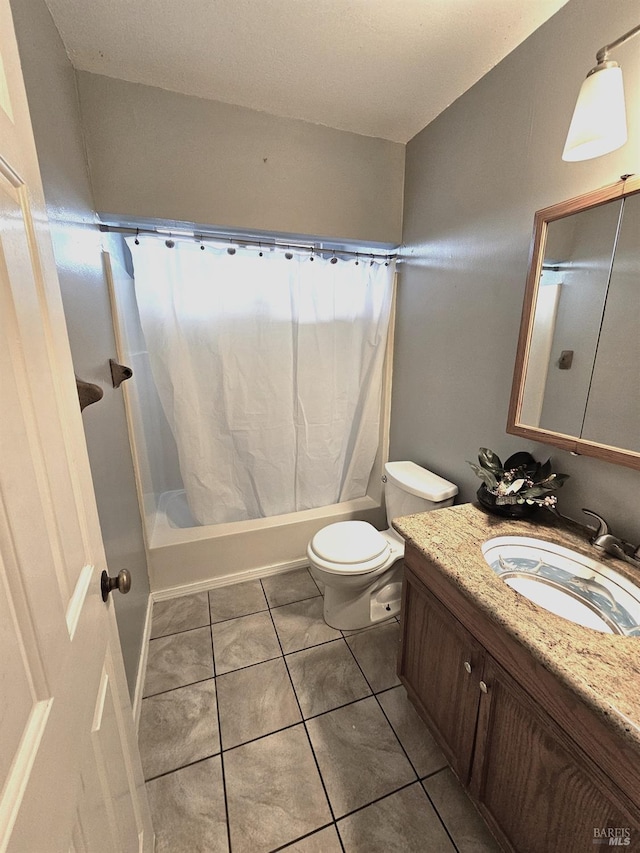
602 669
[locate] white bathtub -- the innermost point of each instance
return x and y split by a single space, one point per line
184 557
181 553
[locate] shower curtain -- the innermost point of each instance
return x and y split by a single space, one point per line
269 370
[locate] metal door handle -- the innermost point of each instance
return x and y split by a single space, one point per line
468 667
122 582
483 687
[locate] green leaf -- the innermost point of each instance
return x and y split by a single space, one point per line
486 476
489 460
545 470
536 491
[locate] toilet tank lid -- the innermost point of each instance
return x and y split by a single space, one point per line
420 482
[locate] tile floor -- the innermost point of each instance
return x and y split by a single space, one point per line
263 729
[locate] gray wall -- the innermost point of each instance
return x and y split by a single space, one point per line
163 155
474 178
53 102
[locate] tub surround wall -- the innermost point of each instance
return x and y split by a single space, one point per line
474 178
163 155
53 103
155 448
198 557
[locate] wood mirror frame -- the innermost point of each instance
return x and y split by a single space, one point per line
627 186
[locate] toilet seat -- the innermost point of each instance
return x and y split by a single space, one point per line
349 548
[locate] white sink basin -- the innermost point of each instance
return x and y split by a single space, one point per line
566 583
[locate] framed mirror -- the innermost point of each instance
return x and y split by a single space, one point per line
576 383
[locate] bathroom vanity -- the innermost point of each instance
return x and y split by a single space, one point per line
538 717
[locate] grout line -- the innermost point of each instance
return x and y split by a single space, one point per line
304 837
314 580
180 631
418 775
254 612
334 821
379 799
179 686
440 818
247 666
182 767
434 773
295 601
406 754
313 753
239 616
262 737
224 778
444 826
398 738
314 646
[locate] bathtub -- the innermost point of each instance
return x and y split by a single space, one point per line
183 554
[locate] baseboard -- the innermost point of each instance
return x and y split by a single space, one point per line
227 580
142 664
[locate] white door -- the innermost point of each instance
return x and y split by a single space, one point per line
70 774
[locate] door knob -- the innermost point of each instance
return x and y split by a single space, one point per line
483 687
122 582
468 667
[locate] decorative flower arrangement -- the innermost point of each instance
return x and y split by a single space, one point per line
521 480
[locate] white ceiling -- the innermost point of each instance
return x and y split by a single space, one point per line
382 68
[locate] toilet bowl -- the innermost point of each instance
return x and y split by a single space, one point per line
360 568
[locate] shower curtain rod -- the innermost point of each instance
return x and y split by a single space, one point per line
234 239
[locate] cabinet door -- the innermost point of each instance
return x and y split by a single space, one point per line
537 791
440 665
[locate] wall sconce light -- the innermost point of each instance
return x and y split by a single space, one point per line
599 123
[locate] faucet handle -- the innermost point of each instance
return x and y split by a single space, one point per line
603 527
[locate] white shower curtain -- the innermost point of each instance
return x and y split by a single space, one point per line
269 371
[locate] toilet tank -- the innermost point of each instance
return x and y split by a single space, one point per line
410 488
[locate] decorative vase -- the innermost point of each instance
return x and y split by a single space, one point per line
488 501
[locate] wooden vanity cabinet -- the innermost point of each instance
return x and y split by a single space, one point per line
532 786
441 681
536 788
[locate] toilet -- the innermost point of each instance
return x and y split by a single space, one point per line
359 567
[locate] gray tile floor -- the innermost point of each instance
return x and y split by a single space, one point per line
263 729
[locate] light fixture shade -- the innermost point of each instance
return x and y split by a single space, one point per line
599 123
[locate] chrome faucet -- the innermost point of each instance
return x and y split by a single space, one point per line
603 540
